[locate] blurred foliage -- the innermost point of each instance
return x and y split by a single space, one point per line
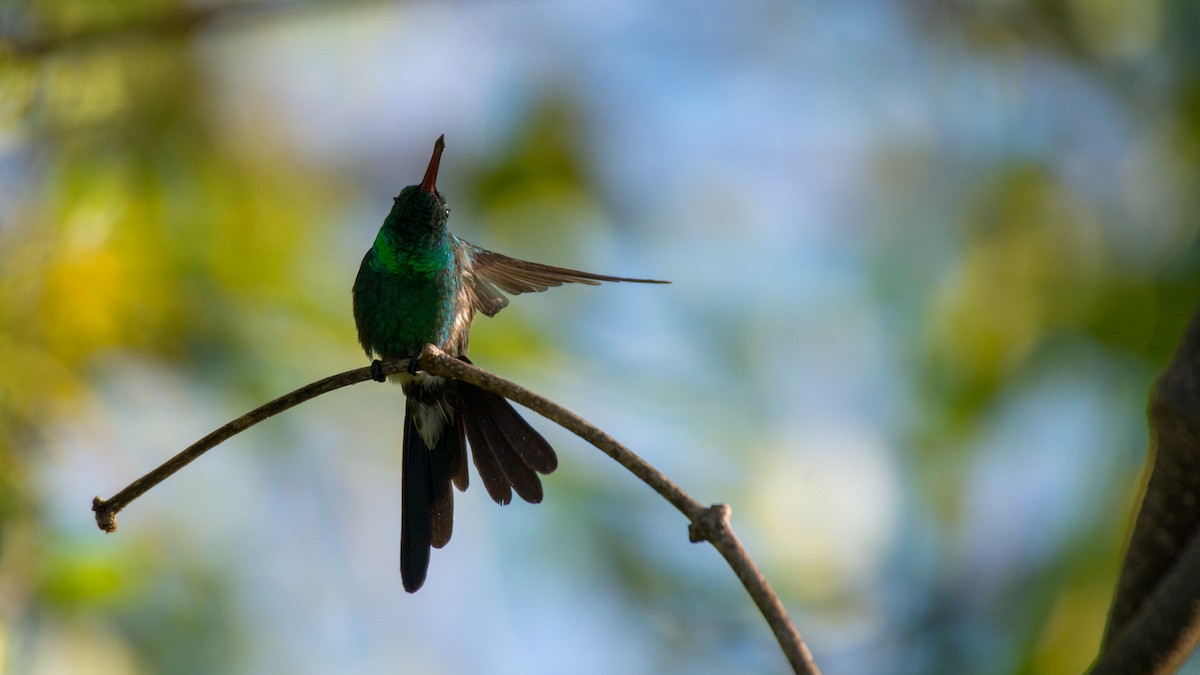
127 229
1045 269
130 225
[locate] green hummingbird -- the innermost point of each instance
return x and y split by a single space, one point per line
419 284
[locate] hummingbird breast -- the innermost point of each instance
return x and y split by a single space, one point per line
398 311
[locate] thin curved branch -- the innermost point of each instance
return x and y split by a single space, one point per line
709 524
106 509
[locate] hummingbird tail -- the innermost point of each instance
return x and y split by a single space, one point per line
448 466
427 502
509 454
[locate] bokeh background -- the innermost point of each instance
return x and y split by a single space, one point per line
928 257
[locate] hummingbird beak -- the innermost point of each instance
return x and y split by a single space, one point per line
429 183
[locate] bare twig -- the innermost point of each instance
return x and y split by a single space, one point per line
107 509
709 524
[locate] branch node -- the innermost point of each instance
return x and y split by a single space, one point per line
710 523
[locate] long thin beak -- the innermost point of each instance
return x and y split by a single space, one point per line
429 183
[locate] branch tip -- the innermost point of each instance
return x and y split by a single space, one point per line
106 518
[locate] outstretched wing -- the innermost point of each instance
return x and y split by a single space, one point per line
521 276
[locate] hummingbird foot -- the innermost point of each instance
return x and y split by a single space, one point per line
377 371
414 364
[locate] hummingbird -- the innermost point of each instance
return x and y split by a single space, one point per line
419 284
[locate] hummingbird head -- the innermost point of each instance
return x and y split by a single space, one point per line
422 207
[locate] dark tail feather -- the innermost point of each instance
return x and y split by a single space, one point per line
415 519
446 463
458 461
504 445
528 443
487 438
486 462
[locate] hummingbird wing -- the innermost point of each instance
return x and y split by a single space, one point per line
521 276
